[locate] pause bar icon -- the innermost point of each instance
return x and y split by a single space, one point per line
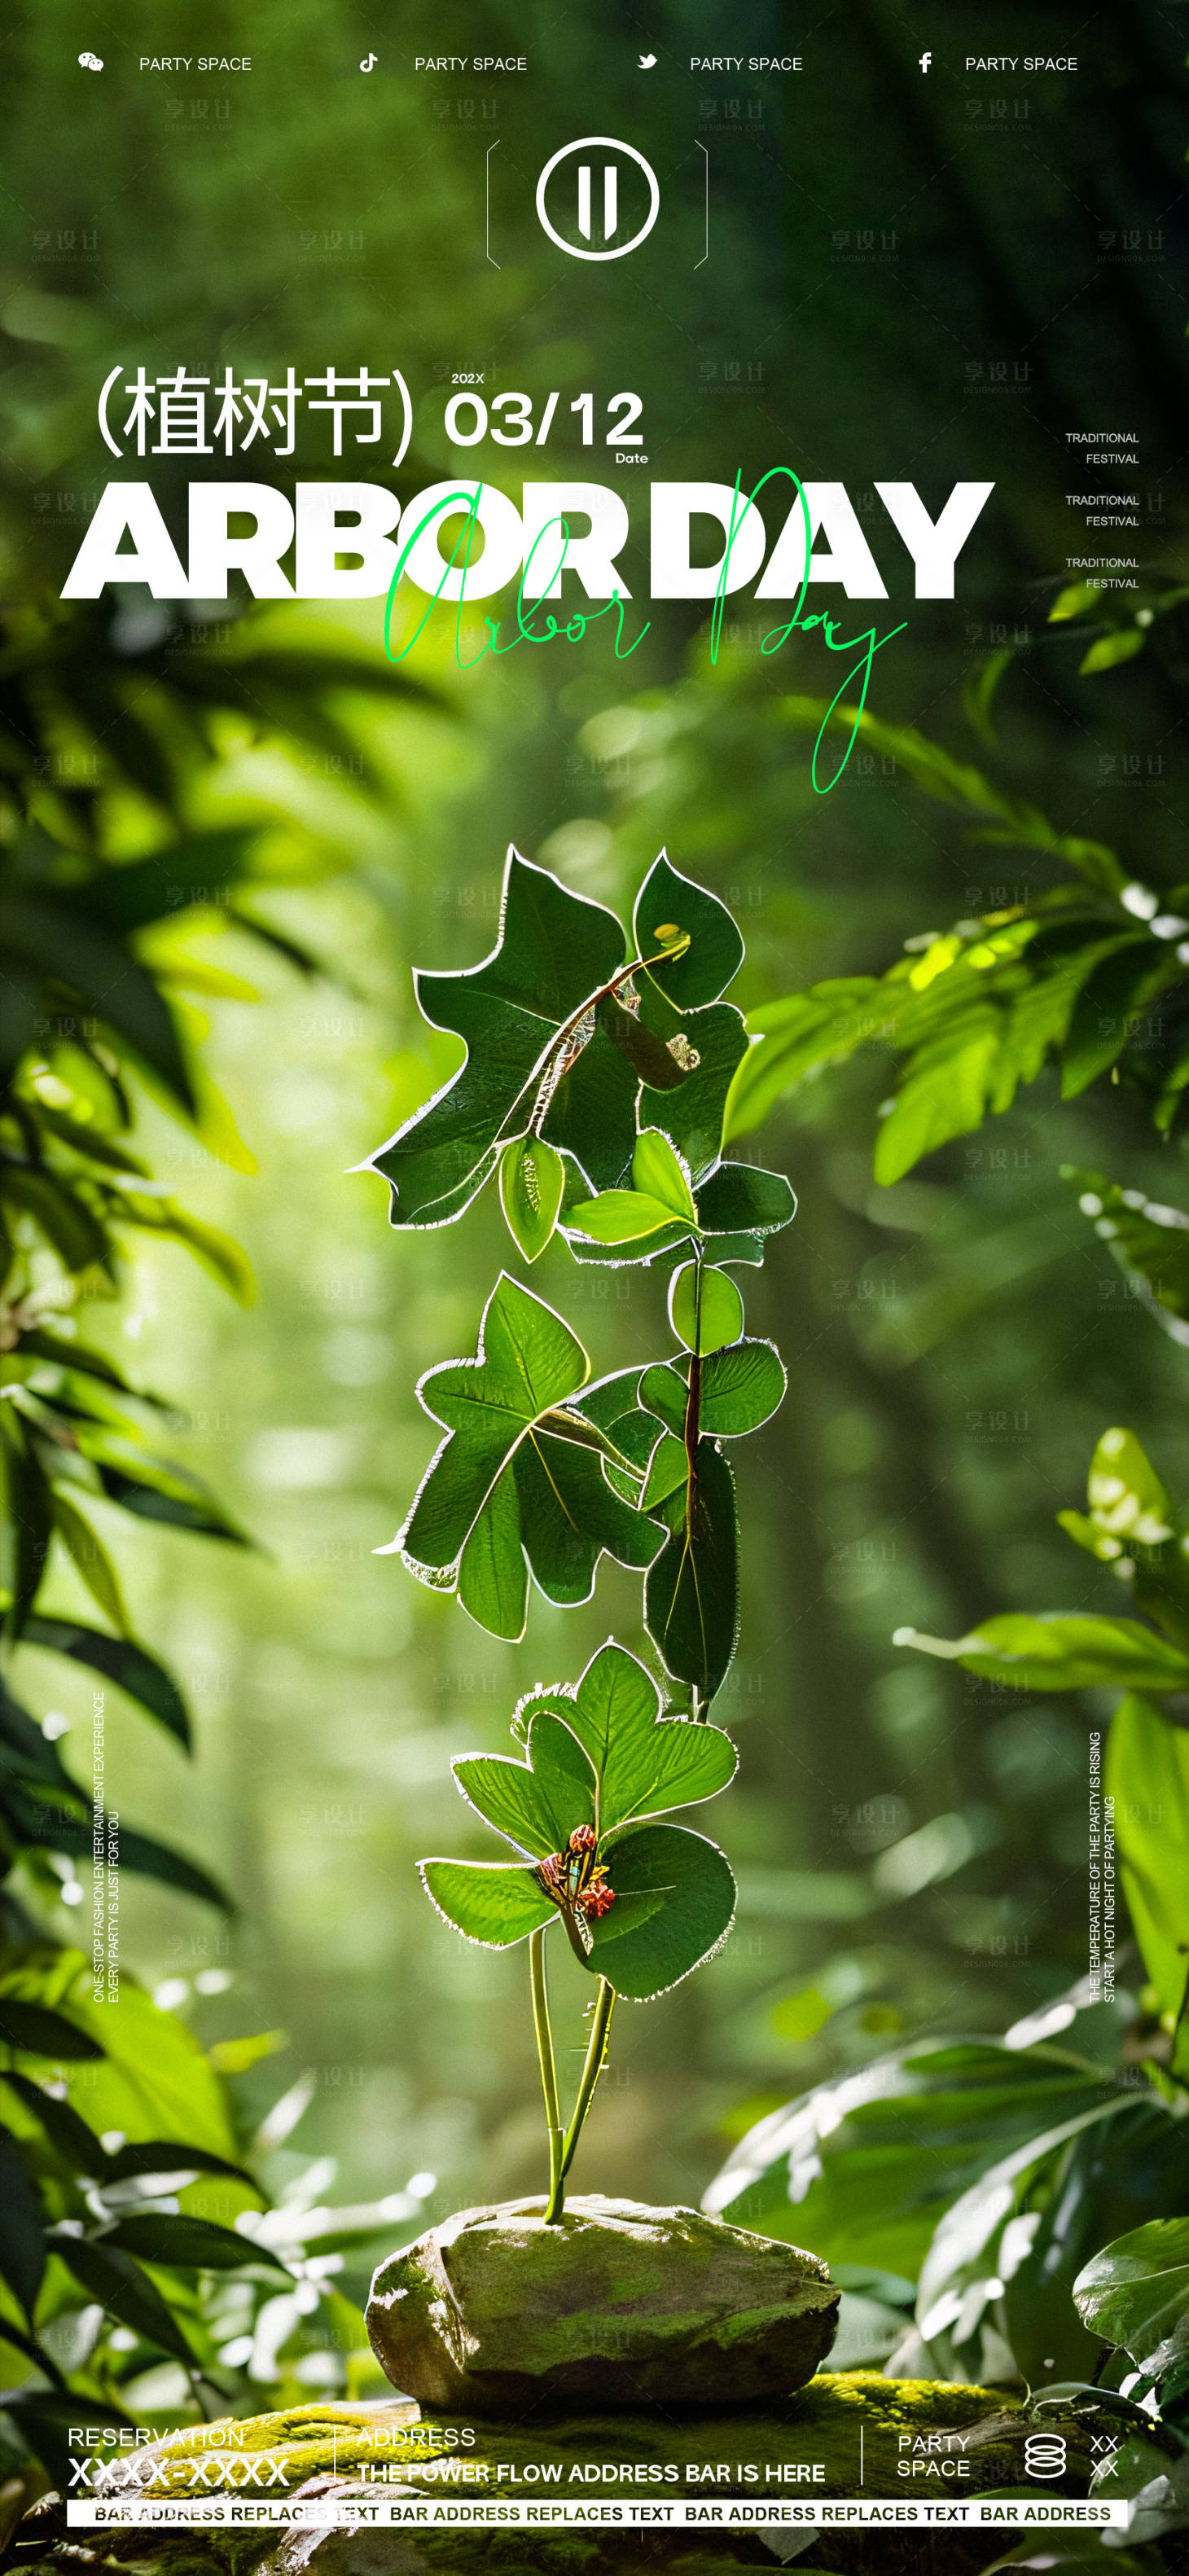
610 200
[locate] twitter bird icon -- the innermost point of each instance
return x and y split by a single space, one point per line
647 62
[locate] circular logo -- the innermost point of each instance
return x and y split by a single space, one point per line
593 188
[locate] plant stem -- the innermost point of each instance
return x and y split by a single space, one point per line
536 1958
592 2070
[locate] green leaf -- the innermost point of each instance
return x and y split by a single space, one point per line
510 1489
155 1489
171 2157
1147 1774
57 940
1148 1239
30 1510
705 1307
694 1881
532 1184
123 2290
72 2138
536 1804
668 1468
643 1763
742 1198
92 1560
1058 1651
1136 2293
658 1173
22 2239
665 1392
63 1217
865 2165
120 1660
1121 646
555 951
155 2236
620 1216
490 1902
741 1388
1119 987
652 1060
35 2031
1074 600
691 1597
671 914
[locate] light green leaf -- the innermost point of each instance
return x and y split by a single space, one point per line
692 1877
493 1903
704 1314
1121 646
1058 1651
667 1469
1147 1774
658 1173
619 1216
532 1181
1136 2293
1074 600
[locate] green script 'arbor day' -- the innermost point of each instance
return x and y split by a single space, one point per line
595 1087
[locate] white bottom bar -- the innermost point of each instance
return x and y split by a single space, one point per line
514 2513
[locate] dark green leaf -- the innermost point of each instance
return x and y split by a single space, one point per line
37 2032
697 1890
173 2157
30 1505
644 1763
670 909
136 1671
742 1198
22 2239
691 1598
509 1488
123 2290
158 1491
554 952
534 1804
49 936
70 2135
651 1060
155 2236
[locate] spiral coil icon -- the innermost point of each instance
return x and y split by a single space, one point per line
1044 2455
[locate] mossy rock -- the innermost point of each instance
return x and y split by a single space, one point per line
615 2304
